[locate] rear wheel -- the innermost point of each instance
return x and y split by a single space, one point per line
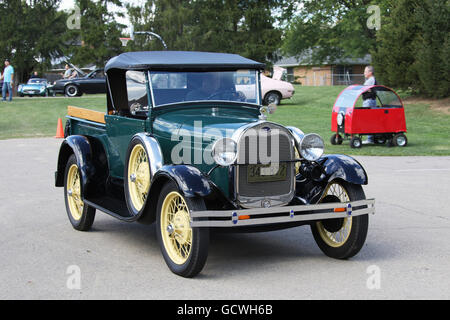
71 90
184 249
137 177
272 97
400 140
341 238
81 215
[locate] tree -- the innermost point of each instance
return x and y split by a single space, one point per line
413 47
394 56
432 48
331 29
234 26
97 40
31 34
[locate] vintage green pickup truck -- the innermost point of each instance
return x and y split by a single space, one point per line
181 146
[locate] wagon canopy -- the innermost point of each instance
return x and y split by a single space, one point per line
181 60
385 97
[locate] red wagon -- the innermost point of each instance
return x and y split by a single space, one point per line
384 119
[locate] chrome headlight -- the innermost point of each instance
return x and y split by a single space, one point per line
311 147
224 151
340 119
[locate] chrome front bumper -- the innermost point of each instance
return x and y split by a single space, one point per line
278 215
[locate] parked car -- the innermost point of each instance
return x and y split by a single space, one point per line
35 87
180 146
385 121
273 91
94 82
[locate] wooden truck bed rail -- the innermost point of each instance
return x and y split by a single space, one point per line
86 114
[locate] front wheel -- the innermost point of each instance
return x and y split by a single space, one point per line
336 139
341 238
184 249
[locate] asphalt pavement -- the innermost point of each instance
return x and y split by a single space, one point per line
406 254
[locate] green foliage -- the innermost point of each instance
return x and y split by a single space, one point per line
98 35
330 30
413 47
30 34
432 48
394 55
234 26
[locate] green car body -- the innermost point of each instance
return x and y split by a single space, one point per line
35 87
200 149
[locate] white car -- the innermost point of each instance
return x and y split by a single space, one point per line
272 91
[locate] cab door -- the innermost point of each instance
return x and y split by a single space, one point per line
132 119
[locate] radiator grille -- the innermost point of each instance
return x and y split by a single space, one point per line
252 150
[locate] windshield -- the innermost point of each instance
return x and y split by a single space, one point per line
37 81
175 87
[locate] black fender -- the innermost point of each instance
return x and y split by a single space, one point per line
190 181
337 166
332 167
91 161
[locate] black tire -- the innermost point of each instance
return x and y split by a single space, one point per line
71 90
355 142
79 222
136 191
272 97
356 237
198 250
400 140
336 139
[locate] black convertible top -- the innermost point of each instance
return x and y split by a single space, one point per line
180 60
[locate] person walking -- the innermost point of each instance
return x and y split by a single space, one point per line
8 80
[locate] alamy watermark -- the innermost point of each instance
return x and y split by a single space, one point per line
374 280
374 21
74 20
260 146
74 277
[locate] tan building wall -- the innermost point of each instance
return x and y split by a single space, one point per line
313 76
321 76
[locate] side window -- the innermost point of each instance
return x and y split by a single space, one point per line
137 93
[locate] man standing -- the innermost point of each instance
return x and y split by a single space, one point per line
67 73
369 97
8 80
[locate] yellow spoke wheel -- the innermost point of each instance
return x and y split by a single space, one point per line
73 191
175 228
341 238
81 215
184 249
138 176
329 234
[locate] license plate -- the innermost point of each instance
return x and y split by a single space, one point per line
266 172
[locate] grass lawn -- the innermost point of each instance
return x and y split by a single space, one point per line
309 110
38 117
